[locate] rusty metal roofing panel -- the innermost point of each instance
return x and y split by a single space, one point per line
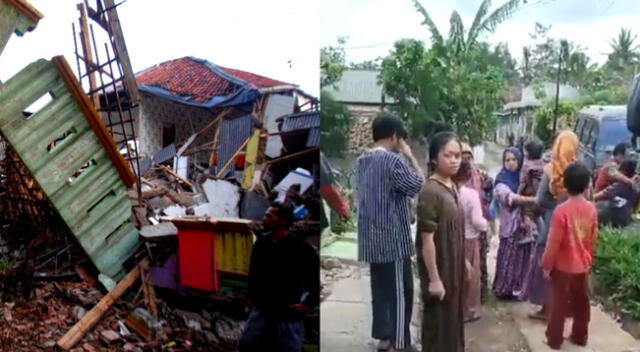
81 175
16 16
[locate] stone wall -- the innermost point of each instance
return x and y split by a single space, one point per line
360 137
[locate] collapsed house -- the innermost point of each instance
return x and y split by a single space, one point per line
154 180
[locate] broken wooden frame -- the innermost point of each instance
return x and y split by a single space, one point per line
114 92
83 176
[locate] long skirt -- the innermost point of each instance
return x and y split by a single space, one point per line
472 279
442 322
535 286
512 265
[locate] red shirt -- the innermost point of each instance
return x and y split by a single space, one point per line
572 237
604 176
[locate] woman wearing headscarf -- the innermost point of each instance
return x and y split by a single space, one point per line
513 258
551 193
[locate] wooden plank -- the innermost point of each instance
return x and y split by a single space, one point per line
94 120
95 314
88 54
121 51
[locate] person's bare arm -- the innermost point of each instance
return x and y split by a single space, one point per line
436 288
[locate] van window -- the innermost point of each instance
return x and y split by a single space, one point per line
611 133
593 136
578 128
585 139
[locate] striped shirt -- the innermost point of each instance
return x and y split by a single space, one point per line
385 186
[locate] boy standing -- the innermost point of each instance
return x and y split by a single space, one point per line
567 259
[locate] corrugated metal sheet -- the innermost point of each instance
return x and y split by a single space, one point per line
300 121
233 133
94 204
314 137
16 16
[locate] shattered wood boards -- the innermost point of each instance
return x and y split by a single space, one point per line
92 201
16 16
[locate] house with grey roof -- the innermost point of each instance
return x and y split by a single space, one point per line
363 95
517 116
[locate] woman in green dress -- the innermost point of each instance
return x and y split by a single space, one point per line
440 248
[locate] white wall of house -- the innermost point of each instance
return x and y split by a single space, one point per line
157 113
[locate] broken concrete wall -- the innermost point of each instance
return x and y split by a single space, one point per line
155 113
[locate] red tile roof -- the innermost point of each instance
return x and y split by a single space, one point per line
256 80
198 79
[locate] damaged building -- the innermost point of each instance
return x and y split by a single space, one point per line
130 201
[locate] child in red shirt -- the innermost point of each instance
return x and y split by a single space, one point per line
567 259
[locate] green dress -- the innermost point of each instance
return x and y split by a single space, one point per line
442 321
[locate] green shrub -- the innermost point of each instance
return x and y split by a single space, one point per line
617 267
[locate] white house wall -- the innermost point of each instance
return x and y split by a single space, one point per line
156 113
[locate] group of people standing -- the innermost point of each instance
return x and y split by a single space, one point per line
547 234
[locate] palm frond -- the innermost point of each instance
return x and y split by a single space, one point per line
475 27
435 33
456 33
498 16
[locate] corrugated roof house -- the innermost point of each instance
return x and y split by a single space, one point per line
363 95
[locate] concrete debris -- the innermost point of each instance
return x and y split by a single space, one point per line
158 232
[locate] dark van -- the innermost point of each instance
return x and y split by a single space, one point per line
599 129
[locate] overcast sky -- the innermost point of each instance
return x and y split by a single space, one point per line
251 35
374 25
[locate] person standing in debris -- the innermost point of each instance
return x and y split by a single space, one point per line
441 252
283 286
385 185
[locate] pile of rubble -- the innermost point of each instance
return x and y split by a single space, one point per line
57 306
103 248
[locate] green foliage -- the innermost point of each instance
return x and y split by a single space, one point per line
543 118
458 80
368 65
617 267
609 96
333 63
335 121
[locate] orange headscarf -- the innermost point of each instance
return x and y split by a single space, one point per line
563 153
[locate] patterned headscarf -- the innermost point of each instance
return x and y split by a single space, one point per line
563 153
510 178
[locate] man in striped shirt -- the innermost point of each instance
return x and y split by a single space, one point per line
386 185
